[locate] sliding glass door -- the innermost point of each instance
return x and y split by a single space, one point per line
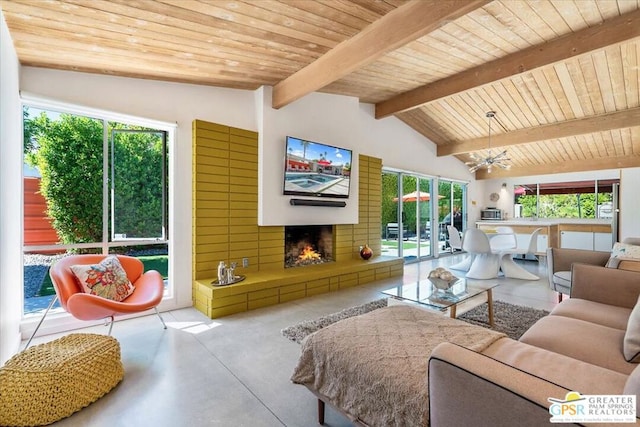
406 215
390 214
452 210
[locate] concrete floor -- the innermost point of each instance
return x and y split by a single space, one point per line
235 371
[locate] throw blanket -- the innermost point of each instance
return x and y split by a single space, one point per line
374 366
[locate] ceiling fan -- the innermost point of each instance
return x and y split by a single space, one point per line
499 160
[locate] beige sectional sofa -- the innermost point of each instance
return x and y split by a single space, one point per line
404 366
559 261
578 347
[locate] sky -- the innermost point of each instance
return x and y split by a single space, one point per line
316 150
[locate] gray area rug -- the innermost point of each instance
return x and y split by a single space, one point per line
297 332
510 319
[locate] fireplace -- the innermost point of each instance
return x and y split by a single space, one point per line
307 245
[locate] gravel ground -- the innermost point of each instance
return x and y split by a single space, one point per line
36 267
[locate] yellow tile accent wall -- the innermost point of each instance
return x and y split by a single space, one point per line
225 228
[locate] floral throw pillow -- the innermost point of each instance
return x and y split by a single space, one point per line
106 279
623 251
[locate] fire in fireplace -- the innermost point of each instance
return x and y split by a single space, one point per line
307 245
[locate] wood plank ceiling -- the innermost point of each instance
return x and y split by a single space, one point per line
562 75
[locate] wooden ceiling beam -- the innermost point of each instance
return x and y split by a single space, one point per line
402 25
619 162
603 122
614 31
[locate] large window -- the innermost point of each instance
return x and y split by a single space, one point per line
575 199
92 185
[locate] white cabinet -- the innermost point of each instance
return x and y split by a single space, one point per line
576 240
543 243
523 241
602 242
585 240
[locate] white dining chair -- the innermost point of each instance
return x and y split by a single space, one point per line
456 242
486 263
510 268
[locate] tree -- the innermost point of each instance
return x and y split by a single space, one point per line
69 158
28 133
305 144
68 152
389 191
138 182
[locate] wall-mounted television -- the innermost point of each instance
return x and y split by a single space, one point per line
316 169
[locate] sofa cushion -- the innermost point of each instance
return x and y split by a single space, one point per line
586 341
557 368
631 265
594 312
631 345
632 386
624 264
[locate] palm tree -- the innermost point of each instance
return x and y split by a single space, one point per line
305 144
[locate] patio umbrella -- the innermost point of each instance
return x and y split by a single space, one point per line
413 197
519 191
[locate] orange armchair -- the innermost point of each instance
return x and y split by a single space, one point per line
149 288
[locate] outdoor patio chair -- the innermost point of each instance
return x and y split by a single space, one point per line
455 241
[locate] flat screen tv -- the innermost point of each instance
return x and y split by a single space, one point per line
316 169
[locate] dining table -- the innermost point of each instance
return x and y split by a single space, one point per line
503 246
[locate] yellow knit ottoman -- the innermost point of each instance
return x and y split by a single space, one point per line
51 381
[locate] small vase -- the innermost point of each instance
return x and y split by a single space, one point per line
366 252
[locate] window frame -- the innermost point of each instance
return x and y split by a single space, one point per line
61 321
541 190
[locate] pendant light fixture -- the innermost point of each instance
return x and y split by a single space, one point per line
490 161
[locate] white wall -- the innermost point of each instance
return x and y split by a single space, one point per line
10 190
323 118
402 148
629 203
344 122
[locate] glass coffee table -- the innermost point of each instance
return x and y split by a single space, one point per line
467 293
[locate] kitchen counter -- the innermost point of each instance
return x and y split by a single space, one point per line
558 232
545 221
